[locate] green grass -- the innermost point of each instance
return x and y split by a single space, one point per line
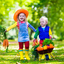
12 58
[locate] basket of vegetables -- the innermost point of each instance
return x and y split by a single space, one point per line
47 47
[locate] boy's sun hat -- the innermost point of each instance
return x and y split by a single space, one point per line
20 11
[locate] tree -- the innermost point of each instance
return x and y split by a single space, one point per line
52 9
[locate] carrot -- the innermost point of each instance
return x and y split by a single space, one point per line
35 42
5 43
40 48
51 46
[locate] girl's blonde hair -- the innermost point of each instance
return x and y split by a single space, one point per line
45 18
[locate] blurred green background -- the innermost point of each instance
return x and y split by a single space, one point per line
52 9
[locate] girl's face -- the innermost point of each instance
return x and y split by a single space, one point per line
43 22
21 17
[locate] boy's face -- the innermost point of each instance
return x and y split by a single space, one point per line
43 22
21 17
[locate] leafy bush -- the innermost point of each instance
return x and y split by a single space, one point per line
47 42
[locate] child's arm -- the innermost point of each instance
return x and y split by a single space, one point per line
35 37
12 26
36 34
50 33
30 26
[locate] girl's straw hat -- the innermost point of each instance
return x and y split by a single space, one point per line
20 11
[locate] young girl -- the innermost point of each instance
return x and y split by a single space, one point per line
23 37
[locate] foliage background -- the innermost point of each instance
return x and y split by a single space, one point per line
52 9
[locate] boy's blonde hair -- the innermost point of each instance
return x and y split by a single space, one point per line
45 18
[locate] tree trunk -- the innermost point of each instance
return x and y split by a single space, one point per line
31 34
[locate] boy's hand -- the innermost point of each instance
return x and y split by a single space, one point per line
34 40
50 36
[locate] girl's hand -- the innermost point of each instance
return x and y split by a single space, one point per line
5 31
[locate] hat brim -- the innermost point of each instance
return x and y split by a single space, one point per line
20 11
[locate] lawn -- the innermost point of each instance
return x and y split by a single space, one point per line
12 56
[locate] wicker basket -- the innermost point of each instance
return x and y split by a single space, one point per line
45 51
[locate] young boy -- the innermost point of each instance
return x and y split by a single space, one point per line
43 31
